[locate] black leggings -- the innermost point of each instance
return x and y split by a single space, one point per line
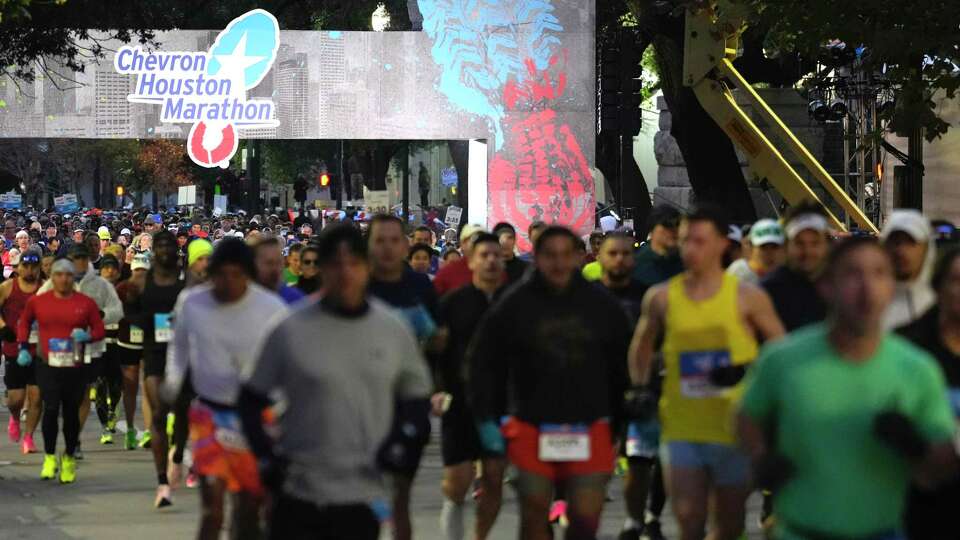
109 384
61 389
296 519
181 418
658 494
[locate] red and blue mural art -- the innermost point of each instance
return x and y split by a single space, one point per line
505 61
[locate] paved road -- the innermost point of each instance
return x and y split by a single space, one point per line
113 498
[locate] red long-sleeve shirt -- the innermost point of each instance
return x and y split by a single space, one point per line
58 317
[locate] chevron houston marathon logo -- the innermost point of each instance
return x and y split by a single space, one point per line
209 89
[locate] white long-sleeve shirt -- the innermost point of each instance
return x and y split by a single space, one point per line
216 341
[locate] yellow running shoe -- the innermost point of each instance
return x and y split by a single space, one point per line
68 469
49 470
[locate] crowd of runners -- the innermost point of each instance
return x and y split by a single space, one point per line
292 365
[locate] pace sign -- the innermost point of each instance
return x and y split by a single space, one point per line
209 88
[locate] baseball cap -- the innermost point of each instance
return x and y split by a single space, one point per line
766 231
806 222
907 221
109 260
140 261
125 231
30 256
103 234
62 266
469 230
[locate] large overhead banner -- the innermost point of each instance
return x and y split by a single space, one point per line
517 74
208 89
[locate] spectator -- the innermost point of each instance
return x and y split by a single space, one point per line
457 274
514 267
766 254
420 257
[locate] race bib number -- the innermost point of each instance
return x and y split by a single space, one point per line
60 353
564 443
162 330
93 350
136 335
227 431
695 368
34 337
643 439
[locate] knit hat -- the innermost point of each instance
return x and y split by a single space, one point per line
197 249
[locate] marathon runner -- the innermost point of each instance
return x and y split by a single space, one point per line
458 315
310 280
908 238
217 329
154 304
392 281
792 287
457 273
638 440
839 416
109 385
20 381
198 259
930 513
268 255
710 323
66 320
557 347
766 254
130 347
323 468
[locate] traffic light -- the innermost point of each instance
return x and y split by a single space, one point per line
324 180
119 191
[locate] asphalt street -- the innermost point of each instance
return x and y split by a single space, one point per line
113 498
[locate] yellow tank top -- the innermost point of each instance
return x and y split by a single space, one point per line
699 336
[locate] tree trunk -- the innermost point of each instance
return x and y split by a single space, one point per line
712 163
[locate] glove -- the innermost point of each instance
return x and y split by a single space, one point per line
491 438
24 358
8 334
899 432
640 403
80 335
773 471
727 376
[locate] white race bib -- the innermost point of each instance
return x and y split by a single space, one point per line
564 443
136 335
162 330
34 334
60 353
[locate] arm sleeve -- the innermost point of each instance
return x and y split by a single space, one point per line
933 413
487 361
759 398
413 380
265 373
26 320
178 353
113 308
97 332
250 405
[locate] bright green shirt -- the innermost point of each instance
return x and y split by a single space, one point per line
847 482
289 277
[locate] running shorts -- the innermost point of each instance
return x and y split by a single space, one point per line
129 357
460 441
727 465
17 377
219 448
154 364
524 451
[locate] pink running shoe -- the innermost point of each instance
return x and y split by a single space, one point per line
13 430
192 481
558 511
28 446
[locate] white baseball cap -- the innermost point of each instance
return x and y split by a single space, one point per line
766 231
907 221
806 222
469 230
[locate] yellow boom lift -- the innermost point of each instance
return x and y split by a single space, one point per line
712 39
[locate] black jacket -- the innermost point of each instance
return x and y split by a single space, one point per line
795 298
550 357
931 514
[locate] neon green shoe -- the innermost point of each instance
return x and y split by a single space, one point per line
93 394
49 470
145 440
106 437
130 442
68 469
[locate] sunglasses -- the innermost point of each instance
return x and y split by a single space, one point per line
308 262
